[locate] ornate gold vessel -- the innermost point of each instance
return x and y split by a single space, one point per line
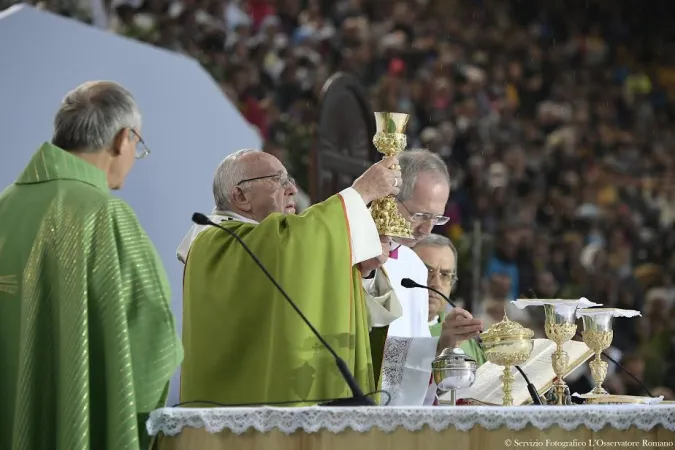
390 140
598 335
507 344
560 327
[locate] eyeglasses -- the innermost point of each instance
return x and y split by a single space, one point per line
425 217
446 277
283 179
142 150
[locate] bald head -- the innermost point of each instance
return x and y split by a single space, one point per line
253 184
230 171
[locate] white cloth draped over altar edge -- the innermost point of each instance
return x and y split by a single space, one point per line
171 421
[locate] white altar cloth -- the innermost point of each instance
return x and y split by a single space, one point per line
171 421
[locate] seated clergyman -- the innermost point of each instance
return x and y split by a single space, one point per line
440 256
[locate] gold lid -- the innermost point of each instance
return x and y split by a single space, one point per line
506 330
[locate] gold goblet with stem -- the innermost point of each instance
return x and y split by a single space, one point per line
390 140
560 327
507 344
598 335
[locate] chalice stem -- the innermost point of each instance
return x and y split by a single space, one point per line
559 358
598 373
507 379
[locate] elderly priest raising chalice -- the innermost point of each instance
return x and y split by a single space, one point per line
244 344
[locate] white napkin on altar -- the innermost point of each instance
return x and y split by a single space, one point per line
615 312
643 400
560 304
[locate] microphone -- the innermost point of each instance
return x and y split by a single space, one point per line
358 398
534 395
411 284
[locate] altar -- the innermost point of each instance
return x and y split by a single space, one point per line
393 428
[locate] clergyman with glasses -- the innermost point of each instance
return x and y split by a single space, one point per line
87 339
421 200
244 344
439 255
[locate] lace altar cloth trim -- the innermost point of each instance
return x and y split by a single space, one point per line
171 421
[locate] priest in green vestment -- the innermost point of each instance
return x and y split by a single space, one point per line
440 256
87 339
243 342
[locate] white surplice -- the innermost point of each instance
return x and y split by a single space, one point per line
410 349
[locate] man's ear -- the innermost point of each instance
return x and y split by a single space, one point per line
118 141
240 199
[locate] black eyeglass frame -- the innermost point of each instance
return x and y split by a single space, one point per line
146 150
284 180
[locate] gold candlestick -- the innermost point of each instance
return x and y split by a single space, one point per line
560 327
507 344
390 140
598 335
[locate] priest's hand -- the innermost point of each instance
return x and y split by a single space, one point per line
458 326
367 267
381 179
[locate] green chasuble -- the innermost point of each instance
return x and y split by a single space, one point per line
470 347
87 338
243 342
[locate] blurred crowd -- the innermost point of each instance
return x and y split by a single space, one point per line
555 119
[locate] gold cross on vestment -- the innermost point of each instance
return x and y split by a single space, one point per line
8 283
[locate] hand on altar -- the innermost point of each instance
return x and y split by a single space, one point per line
368 266
458 326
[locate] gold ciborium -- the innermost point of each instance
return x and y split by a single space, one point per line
560 327
598 335
507 344
390 140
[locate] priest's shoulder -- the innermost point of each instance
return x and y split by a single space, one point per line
90 201
210 233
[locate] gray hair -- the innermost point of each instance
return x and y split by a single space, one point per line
91 115
228 174
416 161
438 240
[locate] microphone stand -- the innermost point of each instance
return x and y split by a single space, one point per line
358 397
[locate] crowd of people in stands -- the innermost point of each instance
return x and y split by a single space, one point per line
555 120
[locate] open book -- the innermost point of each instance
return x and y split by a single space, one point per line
488 387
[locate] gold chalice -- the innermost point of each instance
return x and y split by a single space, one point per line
507 344
390 140
598 334
560 327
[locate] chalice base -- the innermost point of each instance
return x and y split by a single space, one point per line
558 396
388 220
599 390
